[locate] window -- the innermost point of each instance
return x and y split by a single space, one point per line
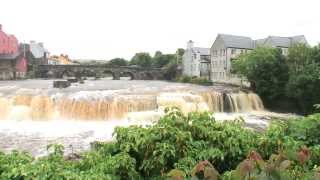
233 51
195 56
222 51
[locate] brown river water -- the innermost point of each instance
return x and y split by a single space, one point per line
33 114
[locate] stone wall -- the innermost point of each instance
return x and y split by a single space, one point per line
6 70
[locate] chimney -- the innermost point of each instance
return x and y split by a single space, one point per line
190 44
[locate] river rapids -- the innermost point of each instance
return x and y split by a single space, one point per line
34 115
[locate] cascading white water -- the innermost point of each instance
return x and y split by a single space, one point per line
107 107
32 114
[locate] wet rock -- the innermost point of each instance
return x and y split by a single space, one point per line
73 80
61 84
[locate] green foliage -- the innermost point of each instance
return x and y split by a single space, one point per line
279 166
161 60
179 54
177 139
194 80
299 56
142 59
305 129
265 70
304 87
116 62
273 76
182 146
171 70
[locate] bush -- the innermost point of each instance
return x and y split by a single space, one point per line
181 146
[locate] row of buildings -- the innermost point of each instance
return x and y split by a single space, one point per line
16 59
215 63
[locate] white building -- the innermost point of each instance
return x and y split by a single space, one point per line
227 47
196 61
53 61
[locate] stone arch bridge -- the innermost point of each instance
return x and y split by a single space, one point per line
81 71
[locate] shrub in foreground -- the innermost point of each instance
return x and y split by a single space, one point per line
180 146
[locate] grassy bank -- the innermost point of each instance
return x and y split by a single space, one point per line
194 80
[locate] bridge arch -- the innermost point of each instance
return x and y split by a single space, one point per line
148 76
108 73
67 74
127 75
87 73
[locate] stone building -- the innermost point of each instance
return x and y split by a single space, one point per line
13 63
196 61
227 47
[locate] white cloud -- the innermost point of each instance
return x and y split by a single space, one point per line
105 29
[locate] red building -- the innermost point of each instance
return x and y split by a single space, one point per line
13 63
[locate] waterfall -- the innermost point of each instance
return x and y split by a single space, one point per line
233 102
242 102
101 106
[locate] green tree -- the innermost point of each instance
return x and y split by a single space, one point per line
118 62
299 56
171 71
160 60
304 81
142 59
265 69
316 54
179 54
304 87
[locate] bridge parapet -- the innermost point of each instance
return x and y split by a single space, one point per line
59 71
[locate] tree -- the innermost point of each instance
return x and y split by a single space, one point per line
179 54
299 56
161 60
316 53
171 71
304 87
304 81
118 62
265 69
142 59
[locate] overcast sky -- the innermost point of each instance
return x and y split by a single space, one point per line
104 29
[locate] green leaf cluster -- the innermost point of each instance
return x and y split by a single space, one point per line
294 78
178 146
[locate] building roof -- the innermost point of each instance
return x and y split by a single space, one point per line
277 41
202 51
9 56
237 41
247 43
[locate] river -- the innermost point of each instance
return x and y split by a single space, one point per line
33 114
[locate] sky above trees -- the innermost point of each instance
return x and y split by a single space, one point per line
99 29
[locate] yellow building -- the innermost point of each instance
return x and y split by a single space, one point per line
61 60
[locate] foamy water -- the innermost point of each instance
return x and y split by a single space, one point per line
35 115
76 136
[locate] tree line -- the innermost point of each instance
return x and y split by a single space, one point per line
291 81
168 62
